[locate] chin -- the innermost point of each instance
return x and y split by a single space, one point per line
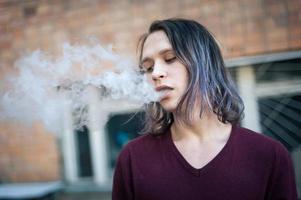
168 106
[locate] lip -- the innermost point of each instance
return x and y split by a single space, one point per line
164 91
163 87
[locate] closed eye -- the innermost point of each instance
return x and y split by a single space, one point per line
147 66
170 60
148 69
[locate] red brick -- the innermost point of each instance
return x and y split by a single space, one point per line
243 27
294 5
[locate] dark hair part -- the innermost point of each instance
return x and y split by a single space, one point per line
209 80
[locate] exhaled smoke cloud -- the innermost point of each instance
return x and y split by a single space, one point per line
45 85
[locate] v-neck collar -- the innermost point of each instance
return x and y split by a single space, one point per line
194 171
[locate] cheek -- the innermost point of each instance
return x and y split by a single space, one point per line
149 79
185 77
186 80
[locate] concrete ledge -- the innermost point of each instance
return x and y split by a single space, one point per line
265 58
29 190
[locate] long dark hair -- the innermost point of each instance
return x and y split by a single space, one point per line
209 80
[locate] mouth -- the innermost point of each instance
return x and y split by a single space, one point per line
164 91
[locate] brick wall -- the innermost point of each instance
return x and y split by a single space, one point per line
27 154
242 27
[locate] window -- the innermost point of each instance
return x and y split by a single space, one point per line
83 152
280 118
122 128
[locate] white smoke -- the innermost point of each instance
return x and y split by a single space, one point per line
38 92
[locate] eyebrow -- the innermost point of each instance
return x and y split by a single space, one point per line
163 51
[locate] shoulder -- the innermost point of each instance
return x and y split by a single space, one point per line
142 146
270 159
144 141
247 136
259 144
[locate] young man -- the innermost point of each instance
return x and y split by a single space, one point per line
193 147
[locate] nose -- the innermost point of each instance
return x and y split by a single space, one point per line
158 72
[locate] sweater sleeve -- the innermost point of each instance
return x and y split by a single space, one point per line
282 185
122 181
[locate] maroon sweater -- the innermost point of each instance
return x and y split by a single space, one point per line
249 167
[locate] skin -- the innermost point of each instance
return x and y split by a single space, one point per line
201 140
163 69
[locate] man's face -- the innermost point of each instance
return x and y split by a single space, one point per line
164 70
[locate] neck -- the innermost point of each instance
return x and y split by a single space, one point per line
204 128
